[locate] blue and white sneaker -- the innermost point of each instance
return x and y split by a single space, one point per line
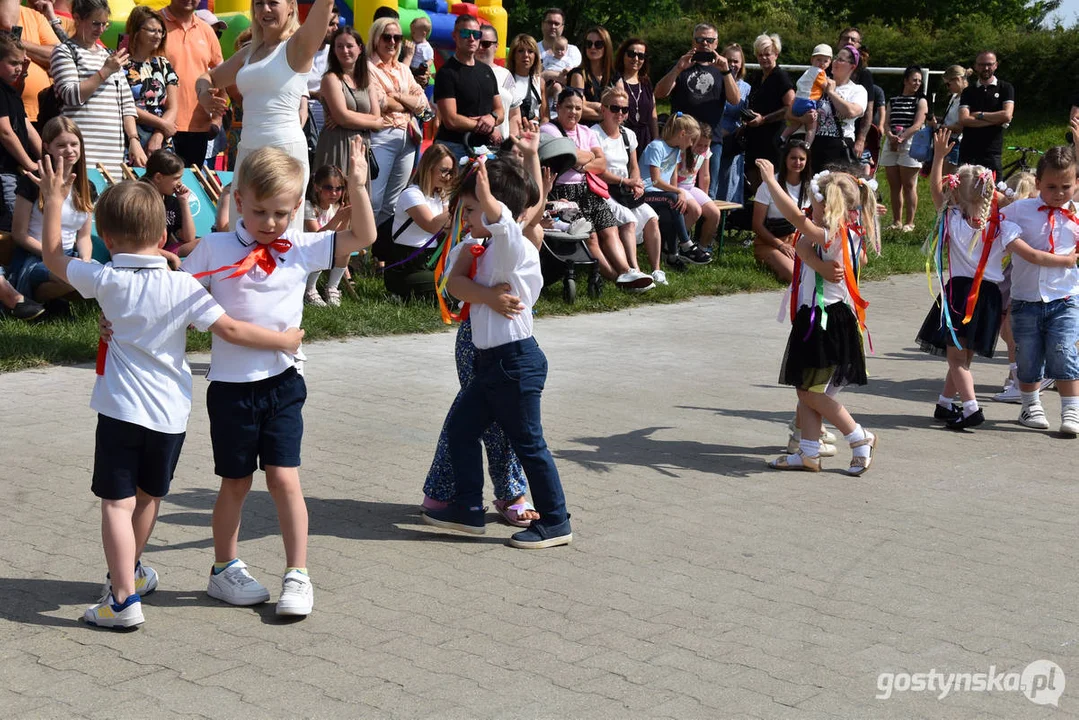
145 581
466 520
110 614
539 536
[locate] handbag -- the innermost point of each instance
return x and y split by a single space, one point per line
619 193
597 185
921 144
372 161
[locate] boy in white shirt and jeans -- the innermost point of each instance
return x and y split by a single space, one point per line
143 389
259 273
510 367
1045 291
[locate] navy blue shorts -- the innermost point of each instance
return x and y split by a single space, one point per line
129 457
255 424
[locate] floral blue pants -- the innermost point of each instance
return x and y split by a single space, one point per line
507 475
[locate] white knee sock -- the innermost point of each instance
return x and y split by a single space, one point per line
334 279
311 280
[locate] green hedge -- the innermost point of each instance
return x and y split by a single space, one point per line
1043 65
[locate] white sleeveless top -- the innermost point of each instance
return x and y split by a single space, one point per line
271 91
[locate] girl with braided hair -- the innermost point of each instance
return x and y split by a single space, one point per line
968 242
825 349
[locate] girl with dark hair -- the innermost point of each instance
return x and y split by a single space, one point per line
351 102
595 72
773 241
165 171
632 73
905 116
325 209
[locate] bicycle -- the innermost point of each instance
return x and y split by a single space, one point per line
1020 164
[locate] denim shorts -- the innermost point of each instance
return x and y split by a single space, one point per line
1045 335
255 424
129 457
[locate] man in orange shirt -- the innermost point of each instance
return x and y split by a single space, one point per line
193 49
39 39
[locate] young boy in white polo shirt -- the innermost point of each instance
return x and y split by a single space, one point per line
143 390
510 367
259 274
1045 291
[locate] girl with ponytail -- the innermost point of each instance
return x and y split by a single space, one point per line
825 349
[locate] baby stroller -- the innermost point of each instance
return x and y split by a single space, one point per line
564 248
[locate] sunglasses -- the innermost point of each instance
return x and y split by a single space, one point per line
634 55
705 40
597 44
333 188
100 25
466 34
486 44
446 172
387 37
620 109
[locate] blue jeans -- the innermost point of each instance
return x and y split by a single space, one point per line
7 212
732 174
459 150
507 475
713 169
507 388
1045 339
395 154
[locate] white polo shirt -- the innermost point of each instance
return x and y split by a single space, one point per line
1037 283
146 381
273 301
509 258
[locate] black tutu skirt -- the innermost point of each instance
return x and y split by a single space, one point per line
815 356
979 335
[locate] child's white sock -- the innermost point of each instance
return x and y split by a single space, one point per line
857 435
969 407
335 278
1068 401
944 401
809 448
1031 398
311 280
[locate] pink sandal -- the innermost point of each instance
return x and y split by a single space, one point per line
514 514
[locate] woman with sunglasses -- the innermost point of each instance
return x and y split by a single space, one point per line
401 98
350 101
773 241
529 91
595 72
631 68
575 185
271 75
843 102
89 82
150 74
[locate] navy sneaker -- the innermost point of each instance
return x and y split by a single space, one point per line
948 415
467 520
539 536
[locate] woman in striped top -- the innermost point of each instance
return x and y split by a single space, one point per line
905 116
90 83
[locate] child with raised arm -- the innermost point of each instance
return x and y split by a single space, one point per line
824 352
259 273
971 235
143 388
510 369
1045 291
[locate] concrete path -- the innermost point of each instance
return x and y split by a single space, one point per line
700 584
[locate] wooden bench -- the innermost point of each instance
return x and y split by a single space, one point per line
724 208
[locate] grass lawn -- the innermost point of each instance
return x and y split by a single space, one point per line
70 340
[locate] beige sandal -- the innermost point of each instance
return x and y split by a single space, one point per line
860 464
808 464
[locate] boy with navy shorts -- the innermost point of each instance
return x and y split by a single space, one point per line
510 367
1045 291
256 397
143 389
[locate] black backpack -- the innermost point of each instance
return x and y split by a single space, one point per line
49 104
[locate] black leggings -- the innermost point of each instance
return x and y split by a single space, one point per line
672 222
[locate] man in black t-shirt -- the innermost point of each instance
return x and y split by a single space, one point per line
700 85
985 110
466 91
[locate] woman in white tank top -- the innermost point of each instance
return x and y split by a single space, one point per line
271 74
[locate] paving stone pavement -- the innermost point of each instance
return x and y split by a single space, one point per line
700 584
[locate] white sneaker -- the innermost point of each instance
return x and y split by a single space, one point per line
311 297
297 594
1010 394
659 277
333 297
1033 416
110 615
145 582
235 586
1069 420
